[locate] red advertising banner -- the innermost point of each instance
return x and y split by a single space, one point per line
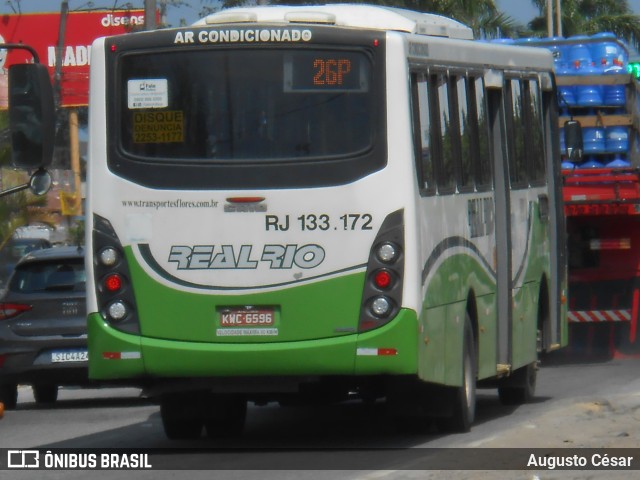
41 31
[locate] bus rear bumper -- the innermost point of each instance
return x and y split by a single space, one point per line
389 350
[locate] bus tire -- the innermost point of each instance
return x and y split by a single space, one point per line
226 416
180 417
9 395
520 387
463 398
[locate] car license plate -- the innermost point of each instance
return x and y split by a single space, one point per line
69 356
247 317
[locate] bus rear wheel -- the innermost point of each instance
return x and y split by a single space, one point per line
226 415
463 398
180 417
520 387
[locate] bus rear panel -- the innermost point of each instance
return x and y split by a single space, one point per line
321 209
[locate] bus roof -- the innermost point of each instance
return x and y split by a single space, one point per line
346 15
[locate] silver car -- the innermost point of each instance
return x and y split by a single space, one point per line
43 333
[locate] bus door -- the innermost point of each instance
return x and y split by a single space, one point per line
502 256
552 334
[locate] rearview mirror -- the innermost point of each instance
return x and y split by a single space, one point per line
573 140
39 183
31 115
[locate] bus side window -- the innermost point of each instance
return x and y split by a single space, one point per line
537 171
484 169
468 136
445 130
422 134
516 134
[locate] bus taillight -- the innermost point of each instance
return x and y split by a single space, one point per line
383 279
113 282
114 292
387 252
117 310
382 294
109 256
381 306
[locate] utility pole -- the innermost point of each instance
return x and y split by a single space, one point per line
57 76
549 18
74 144
150 15
74 149
559 17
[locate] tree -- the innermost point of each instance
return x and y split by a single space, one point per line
587 17
21 208
481 15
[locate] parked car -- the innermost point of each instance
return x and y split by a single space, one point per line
43 333
14 250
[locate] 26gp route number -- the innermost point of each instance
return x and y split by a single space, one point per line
323 222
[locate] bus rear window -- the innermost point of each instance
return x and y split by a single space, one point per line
247 105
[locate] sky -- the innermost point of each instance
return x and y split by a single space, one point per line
188 12
520 10
523 11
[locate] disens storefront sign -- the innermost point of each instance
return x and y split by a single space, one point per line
41 31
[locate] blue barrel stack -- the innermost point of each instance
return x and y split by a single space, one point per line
605 145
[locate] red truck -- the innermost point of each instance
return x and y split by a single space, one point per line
601 190
603 225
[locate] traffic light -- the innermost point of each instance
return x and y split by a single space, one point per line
634 69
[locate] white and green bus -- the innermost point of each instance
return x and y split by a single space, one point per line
322 203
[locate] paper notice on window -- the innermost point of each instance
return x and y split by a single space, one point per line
148 93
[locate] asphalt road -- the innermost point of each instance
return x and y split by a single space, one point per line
569 397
